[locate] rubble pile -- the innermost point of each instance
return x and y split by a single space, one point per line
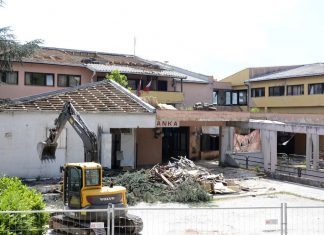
183 169
178 181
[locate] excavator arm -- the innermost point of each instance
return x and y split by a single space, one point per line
47 149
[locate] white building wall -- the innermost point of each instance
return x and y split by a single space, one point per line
20 132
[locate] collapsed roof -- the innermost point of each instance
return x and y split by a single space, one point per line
106 62
104 96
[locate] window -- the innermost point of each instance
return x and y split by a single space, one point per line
234 97
215 96
257 92
228 98
223 97
209 142
9 77
277 91
39 79
132 84
239 97
242 99
295 90
162 86
68 80
316 88
92 177
99 78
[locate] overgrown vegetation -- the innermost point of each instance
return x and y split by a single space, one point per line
15 196
121 79
255 110
141 188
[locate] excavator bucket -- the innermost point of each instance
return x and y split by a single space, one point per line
46 151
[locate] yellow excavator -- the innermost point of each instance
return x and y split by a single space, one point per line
82 183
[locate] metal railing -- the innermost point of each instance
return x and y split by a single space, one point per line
178 220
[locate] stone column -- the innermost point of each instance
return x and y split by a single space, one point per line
315 144
312 151
106 145
265 148
273 150
269 149
226 141
309 151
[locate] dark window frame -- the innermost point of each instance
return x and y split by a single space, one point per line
255 92
68 79
162 85
99 78
215 94
316 84
290 90
230 98
209 142
222 97
4 80
45 74
246 97
276 91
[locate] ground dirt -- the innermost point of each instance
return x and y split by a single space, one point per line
261 213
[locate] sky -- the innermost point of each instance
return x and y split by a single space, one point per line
211 37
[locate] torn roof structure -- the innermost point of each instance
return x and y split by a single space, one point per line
104 96
102 62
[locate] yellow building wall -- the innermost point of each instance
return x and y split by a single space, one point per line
304 102
238 78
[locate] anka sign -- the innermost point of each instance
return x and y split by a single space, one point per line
167 123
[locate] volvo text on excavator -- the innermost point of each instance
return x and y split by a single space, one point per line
82 185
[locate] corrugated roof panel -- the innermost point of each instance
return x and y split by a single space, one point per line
302 71
134 70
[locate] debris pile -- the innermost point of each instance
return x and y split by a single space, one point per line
178 181
183 169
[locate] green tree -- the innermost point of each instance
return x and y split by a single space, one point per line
118 77
11 50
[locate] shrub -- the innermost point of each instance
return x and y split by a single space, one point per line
255 110
190 191
15 196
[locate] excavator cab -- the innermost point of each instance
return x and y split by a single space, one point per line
72 187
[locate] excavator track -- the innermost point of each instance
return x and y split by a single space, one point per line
129 224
